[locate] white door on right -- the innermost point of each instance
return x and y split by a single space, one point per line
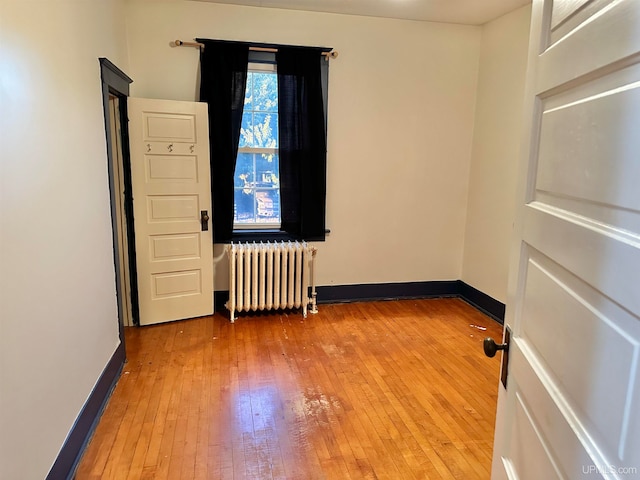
571 408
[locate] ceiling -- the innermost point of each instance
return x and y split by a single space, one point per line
468 12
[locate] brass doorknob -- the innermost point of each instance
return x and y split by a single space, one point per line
491 347
204 220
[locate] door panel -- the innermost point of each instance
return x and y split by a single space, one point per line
574 340
176 284
528 451
605 41
572 403
567 15
578 161
164 168
562 11
173 247
166 127
171 187
545 429
172 209
603 255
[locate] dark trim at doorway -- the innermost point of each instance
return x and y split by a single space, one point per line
114 77
82 430
115 82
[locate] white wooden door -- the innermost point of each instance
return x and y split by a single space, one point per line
571 408
171 190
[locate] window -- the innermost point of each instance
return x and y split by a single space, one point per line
256 176
278 190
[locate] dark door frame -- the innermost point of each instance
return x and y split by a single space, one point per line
116 83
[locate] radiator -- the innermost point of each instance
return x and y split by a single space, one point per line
271 276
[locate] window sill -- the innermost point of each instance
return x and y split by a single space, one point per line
262 236
269 236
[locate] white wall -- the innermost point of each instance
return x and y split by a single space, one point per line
496 146
401 112
58 323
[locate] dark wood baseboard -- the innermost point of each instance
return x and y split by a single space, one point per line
481 301
73 448
386 291
401 290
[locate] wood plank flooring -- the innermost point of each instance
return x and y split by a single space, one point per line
386 390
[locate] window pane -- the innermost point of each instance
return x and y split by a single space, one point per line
244 205
244 175
268 206
246 130
256 178
265 130
267 170
265 92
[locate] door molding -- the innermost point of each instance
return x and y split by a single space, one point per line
115 82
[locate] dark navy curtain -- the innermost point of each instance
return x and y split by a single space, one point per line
302 142
223 78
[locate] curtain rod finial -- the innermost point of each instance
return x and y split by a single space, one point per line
331 54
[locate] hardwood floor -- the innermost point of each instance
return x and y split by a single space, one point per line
393 390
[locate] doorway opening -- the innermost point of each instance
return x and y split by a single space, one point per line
115 90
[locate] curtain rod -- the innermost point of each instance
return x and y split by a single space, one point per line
180 43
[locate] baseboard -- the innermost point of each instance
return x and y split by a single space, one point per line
483 302
401 290
386 291
74 445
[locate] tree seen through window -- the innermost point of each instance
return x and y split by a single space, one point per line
256 179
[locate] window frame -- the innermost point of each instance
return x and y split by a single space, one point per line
258 66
